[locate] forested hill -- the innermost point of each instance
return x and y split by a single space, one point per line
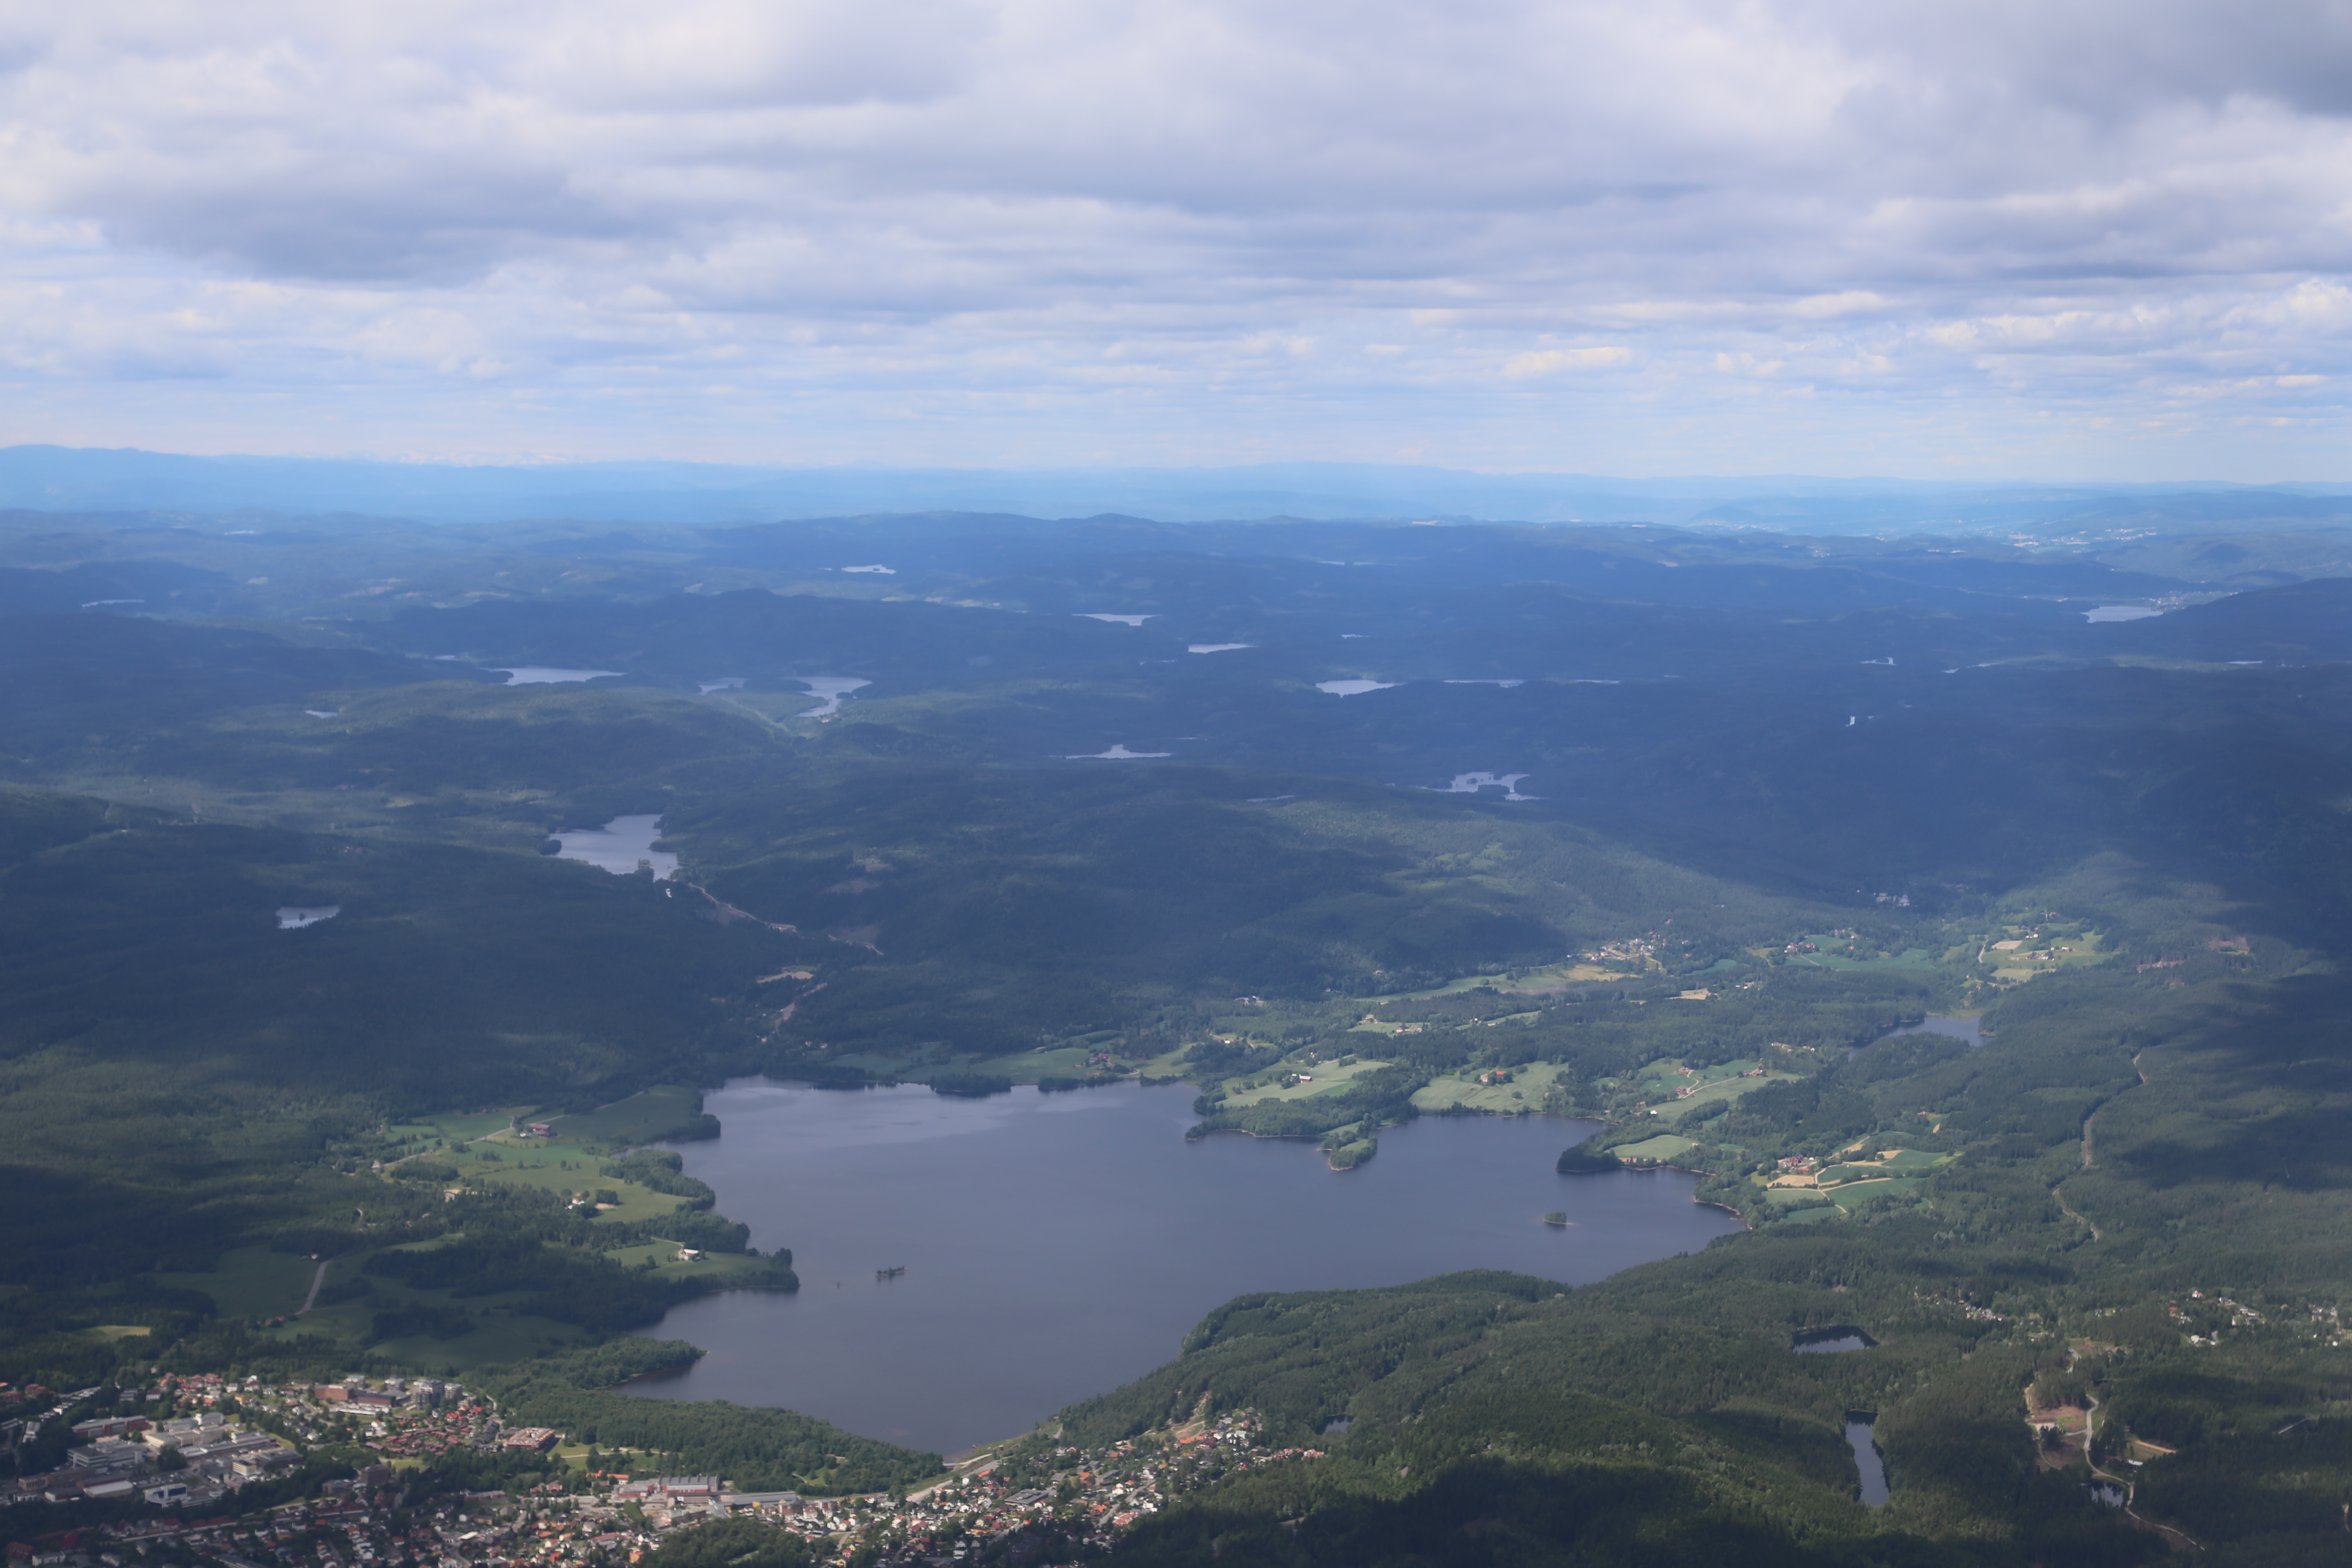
1342 824
2147 1221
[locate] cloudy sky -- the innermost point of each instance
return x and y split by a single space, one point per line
1974 238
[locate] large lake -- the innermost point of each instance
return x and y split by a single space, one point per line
1056 1246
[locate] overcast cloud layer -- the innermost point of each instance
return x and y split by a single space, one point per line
1835 236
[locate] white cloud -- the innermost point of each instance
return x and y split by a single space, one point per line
1545 362
1027 229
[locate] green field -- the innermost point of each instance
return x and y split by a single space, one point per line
1847 1194
635 1119
455 1129
1665 1147
1526 1090
1715 1091
1328 1078
1838 952
565 1170
252 1282
1541 979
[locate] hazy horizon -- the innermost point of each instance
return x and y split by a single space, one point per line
56 478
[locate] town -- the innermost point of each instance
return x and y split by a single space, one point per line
424 1472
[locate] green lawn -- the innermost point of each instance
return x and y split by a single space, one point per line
631 1120
543 1167
1833 954
1851 1192
1329 1079
252 1282
1550 977
1525 1092
1715 1093
1664 1146
713 1265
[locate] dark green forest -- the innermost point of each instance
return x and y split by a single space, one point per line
1776 799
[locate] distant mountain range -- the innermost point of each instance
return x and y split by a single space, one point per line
62 478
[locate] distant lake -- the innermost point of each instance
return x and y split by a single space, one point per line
832 688
2119 613
618 846
548 675
1471 783
1058 1246
1970 1030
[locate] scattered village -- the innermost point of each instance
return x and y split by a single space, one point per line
186 1472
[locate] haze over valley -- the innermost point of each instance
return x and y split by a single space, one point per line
997 784
1508 886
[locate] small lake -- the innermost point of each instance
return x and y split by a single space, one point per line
832 688
619 846
2106 612
1859 1427
1471 783
548 675
1970 1030
294 918
1058 1246
1354 687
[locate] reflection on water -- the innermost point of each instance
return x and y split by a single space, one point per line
1832 1341
293 919
1059 1246
1471 783
833 688
1859 1424
1353 688
547 674
620 847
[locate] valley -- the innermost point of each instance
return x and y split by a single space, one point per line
1201 1038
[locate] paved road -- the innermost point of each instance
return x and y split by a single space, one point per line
316 1281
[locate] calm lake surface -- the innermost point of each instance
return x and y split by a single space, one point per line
1866 1458
1058 1246
619 846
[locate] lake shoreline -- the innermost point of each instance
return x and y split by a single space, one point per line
985 1197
